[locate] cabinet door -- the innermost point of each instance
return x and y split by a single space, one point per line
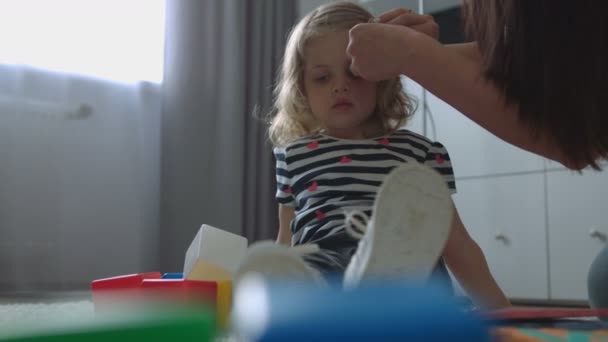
578 228
506 216
473 150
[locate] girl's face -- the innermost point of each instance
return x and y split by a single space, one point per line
342 103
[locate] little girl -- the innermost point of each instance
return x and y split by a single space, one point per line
358 195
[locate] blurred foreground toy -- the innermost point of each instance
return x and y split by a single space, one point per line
155 324
210 262
279 311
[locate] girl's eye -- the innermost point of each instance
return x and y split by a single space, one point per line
322 78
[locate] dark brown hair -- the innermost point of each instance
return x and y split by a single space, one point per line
550 58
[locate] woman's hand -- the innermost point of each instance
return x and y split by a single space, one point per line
382 50
377 51
418 22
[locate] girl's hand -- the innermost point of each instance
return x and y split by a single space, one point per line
418 22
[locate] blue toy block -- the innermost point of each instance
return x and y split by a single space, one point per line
177 275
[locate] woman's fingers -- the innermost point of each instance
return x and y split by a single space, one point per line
430 28
419 22
392 14
410 19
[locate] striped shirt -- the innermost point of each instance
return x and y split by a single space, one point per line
322 177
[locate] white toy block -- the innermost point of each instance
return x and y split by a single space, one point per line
214 254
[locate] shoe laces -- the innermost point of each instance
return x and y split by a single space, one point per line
356 223
304 249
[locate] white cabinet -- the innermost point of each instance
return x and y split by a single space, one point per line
506 216
540 225
578 228
473 150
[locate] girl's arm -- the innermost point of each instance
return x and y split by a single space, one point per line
286 215
468 264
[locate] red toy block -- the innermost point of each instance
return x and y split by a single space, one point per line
188 290
117 292
130 291
125 282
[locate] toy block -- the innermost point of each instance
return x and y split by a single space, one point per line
129 291
217 294
124 282
173 275
182 290
214 255
119 292
223 304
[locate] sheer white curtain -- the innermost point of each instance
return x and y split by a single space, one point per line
79 148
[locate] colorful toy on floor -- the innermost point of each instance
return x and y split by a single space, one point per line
210 262
214 254
132 290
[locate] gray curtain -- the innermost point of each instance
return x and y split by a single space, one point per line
216 166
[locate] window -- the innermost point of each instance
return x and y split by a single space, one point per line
121 40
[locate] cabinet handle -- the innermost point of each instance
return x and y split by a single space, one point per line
501 237
594 233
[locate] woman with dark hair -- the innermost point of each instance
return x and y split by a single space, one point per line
536 76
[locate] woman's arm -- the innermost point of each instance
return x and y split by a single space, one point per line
457 77
286 215
453 73
467 262
469 50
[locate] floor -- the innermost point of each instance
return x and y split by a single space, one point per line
27 311
24 309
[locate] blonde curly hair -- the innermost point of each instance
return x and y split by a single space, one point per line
292 117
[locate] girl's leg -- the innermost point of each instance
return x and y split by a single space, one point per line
279 262
408 230
330 262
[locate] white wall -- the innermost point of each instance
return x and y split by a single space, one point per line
305 6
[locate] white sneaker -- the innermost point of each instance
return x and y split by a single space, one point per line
410 225
279 262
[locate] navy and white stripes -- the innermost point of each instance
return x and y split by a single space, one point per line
321 177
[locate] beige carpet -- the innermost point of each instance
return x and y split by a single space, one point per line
19 313
24 312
